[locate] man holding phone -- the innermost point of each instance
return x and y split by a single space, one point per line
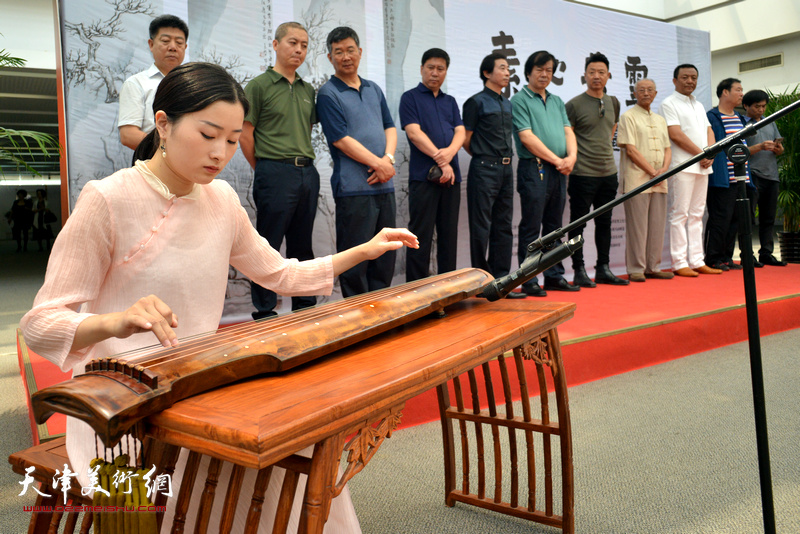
765 147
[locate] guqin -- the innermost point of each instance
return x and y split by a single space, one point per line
116 392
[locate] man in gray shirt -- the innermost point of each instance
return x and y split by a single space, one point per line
593 182
765 147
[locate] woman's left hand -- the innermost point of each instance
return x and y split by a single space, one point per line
390 239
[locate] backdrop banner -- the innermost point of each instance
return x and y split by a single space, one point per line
105 43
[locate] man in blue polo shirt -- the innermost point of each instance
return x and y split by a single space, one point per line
432 122
547 152
362 140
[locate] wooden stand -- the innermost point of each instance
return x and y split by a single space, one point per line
359 391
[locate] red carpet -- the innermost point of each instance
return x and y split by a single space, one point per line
615 329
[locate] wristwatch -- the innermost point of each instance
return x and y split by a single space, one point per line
391 157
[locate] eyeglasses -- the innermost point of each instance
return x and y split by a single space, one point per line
602 109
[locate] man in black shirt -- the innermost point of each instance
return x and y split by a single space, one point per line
490 189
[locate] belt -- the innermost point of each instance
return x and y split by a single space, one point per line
297 161
490 159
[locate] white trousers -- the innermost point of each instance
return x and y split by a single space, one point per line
687 203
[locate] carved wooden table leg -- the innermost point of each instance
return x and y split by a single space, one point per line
544 352
322 486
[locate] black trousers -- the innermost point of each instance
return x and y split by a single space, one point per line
286 205
767 202
358 219
720 233
586 192
432 206
490 197
542 199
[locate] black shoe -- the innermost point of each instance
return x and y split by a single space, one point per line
757 264
559 285
582 279
603 275
516 295
534 290
772 260
733 266
720 265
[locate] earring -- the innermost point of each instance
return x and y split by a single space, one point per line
163 150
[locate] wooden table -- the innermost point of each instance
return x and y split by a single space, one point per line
361 390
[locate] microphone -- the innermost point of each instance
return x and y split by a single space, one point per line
533 264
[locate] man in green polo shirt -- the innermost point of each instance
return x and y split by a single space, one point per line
276 140
547 151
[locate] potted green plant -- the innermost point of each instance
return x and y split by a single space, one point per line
16 146
789 161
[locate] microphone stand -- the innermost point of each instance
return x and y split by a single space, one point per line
549 250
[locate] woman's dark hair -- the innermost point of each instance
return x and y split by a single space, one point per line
188 88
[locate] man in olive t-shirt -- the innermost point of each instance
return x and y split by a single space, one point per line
276 140
593 182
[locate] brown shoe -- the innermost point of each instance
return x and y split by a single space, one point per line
660 275
705 269
636 277
685 271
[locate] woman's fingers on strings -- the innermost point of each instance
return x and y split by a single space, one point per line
151 313
165 311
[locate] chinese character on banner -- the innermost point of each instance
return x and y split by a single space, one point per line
561 67
583 78
502 41
28 481
634 72
64 480
160 484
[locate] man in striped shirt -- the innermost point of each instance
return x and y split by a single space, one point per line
720 234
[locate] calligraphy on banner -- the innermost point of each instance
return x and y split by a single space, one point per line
502 41
634 72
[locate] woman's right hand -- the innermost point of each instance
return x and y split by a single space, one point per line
147 314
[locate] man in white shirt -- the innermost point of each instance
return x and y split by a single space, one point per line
689 131
168 36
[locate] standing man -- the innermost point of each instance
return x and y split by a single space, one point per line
362 140
168 36
689 131
720 237
435 132
547 151
645 154
276 140
765 145
490 189
593 182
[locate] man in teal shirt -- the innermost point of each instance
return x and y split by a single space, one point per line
547 152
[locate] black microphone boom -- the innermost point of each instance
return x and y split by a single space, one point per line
534 264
